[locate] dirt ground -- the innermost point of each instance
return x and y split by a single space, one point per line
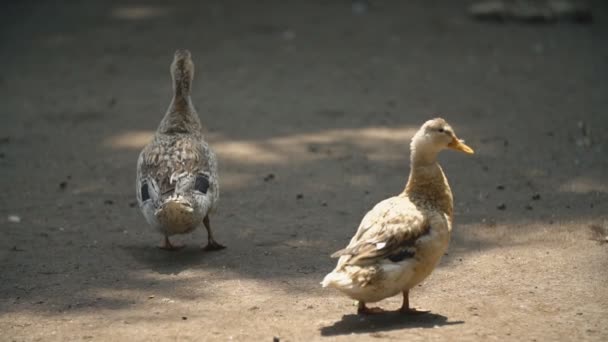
325 100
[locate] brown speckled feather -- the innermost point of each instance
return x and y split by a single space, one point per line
174 154
390 226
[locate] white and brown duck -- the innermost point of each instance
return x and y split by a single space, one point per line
401 240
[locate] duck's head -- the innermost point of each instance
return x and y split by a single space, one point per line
434 136
182 67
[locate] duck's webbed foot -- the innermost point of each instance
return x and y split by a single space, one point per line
212 245
405 307
168 246
362 309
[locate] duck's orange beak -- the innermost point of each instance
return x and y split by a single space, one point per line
459 145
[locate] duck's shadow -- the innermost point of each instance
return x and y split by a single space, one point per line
170 262
358 324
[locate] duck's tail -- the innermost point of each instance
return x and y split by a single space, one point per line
337 279
177 214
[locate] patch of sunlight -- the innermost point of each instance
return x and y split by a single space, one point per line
284 149
584 185
361 180
138 12
130 140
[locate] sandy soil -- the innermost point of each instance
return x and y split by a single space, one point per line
326 101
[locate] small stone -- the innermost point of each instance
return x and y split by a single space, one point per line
63 185
324 204
536 197
501 206
132 204
529 207
269 177
299 196
500 187
313 148
14 219
108 202
151 296
276 339
184 318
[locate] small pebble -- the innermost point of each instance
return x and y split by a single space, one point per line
299 196
529 207
184 318
14 219
536 197
63 185
269 177
324 204
132 204
108 202
501 206
500 187
276 339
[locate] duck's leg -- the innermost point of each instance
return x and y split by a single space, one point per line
405 307
168 246
362 309
212 245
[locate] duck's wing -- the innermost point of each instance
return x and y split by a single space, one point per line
168 158
389 230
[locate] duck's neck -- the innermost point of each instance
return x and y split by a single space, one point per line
428 186
181 116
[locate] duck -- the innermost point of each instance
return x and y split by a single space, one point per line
401 240
177 184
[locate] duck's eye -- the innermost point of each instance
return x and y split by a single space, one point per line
145 195
440 130
202 183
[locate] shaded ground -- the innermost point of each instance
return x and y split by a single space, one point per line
326 101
